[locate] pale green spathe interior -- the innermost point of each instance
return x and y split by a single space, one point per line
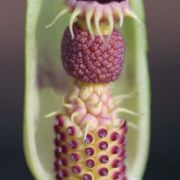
43 64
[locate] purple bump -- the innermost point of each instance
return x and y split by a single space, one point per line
58 152
57 142
117 163
64 161
103 145
59 149
73 144
89 138
59 120
56 128
64 149
122 168
121 139
58 178
123 126
76 169
57 164
123 156
123 123
75 156
71 130
62 136
103 171
65 172
117 175
58 136
114 136
60 162
62 173
102 133
115 150
104 159
87 177
121 152
90 163
89 151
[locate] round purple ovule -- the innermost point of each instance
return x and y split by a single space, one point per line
62 173
104 159
75 156
89 151
73 144
89 138
117 175
71 130
117 163
64 161
62 136
64 149
103 145
57 141
76 169
102 133
90 163
114 136
60 120
103 171
87 177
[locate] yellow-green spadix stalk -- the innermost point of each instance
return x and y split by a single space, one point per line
87 116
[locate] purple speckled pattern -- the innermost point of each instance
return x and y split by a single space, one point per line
99 157
92 60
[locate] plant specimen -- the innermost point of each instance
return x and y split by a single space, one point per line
86 115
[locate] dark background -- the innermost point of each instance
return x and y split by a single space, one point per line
163 20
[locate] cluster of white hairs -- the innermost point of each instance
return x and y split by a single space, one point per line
94 13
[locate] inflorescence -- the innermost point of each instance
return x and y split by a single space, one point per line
90 139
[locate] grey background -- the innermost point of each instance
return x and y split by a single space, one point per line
163 20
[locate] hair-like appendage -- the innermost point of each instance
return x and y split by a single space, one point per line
60 14
95 12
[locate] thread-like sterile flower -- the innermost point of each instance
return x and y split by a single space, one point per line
93 60
94 12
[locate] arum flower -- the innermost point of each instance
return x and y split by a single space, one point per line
87 90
